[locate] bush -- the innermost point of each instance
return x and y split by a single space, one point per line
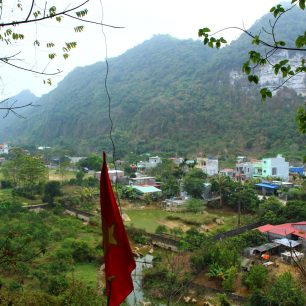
137 235
5 184
256 278
51 190
195 205
56 284
230 279
286 291
161 229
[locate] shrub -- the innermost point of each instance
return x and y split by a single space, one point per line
137 235
256 278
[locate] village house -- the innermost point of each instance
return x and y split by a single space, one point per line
244 169
114 175
208 165
284 233
275 167
228 172
152 163
267 167
143 181
267 189
4 148
177 160
146 190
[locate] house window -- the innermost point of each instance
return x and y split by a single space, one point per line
274 171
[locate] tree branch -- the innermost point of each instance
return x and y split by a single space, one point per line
30 11
264 43
93 22
30 70
14 23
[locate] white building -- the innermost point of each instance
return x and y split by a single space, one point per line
152 163
208 165
275 167
4 148
244 170
114 175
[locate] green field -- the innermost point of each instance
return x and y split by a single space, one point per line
150 218
86 273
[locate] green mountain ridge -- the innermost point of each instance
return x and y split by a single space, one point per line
167 95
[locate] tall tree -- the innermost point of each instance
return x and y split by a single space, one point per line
26 171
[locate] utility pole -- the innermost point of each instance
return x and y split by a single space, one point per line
239 213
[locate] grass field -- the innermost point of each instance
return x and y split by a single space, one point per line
55 175
86 273
150 218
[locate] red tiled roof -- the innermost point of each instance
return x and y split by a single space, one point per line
284 229
265 228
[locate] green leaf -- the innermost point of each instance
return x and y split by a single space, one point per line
283 62
246 68
223 40
300 41
50 45
256 40
253 78
265 92
51 55
302 4
82 13
206 30
79 29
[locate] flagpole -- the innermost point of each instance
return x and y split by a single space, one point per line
109 280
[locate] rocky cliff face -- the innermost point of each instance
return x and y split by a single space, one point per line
273 82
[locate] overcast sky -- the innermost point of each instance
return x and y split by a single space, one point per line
141 19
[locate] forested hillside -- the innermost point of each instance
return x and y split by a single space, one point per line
167 95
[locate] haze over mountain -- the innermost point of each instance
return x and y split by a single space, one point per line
167 95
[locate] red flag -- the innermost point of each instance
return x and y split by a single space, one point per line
118 257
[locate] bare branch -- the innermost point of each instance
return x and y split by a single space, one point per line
12 109
30 70
285 81
94 22
30 11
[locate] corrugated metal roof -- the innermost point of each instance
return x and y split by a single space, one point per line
265 185
287 242
146 189
266 247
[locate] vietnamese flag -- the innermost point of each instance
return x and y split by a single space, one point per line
118 257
